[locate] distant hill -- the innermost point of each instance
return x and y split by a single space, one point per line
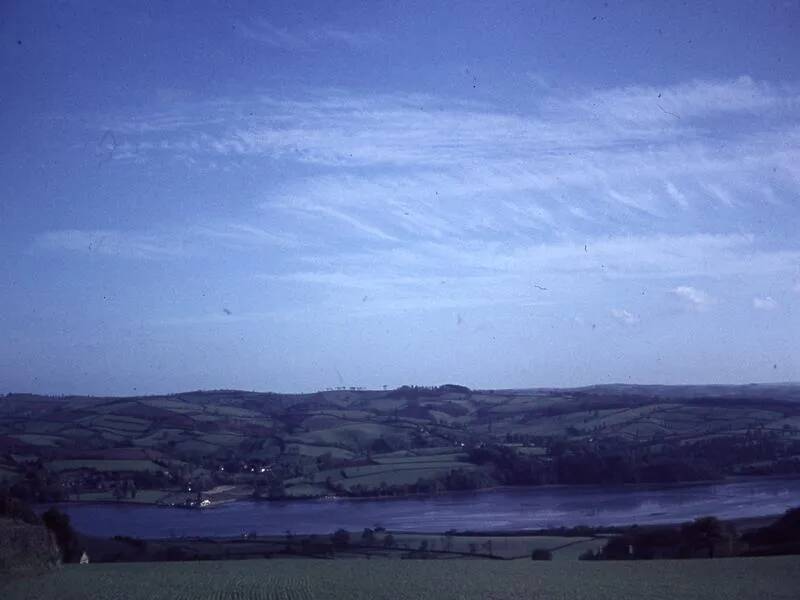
167 448
788 392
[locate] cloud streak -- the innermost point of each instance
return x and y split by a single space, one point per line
428 275
404 164
388 194
108 242
162 243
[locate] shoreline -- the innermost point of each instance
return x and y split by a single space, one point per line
457 510
420 495
567 532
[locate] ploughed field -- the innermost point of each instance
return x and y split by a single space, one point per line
730 579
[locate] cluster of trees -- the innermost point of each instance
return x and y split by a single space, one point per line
703 538
37 484
122 485
66 538
781 537
706 537
421 391
614 462
757 452
339 540
455 480
269 489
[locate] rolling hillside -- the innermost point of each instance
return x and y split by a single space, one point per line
223 445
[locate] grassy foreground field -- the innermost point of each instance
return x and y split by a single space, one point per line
729 579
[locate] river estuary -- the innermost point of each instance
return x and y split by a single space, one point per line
490 510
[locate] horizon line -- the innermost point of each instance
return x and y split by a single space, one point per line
390 389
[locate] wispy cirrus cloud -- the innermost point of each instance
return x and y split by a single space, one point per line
620 258
668 104
159 243
339 128
606 156
304 39
223 318
387 290
469 273
110 242
600 187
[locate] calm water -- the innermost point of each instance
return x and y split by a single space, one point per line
517 508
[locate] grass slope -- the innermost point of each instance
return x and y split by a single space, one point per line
729 579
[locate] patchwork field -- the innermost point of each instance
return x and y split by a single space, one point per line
723 579
142 497
561 548
393 442
104 465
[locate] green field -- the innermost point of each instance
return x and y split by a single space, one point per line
142 497
352 437
728 579
309 450
104 465
119 423
36 439
437 458
404 472
505 546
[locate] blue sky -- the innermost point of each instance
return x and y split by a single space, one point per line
294 196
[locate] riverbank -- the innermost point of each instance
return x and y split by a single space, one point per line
220 497
503 509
